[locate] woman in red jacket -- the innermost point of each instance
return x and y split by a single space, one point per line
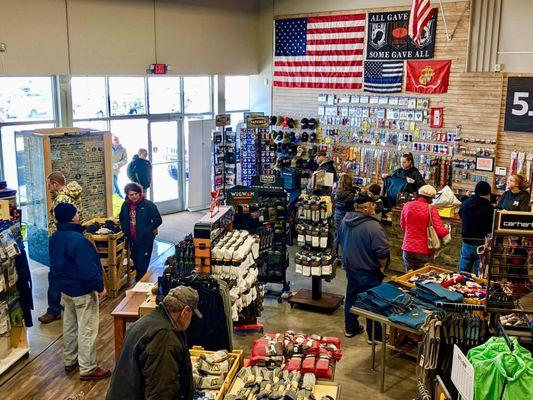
414 222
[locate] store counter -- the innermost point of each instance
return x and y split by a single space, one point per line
448 257
128 309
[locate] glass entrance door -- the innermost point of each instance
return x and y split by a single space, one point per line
165 152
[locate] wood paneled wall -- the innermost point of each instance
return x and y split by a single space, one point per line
474 100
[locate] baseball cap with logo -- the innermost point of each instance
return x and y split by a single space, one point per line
186 296
366 197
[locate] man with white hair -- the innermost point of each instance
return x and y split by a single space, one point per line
155 362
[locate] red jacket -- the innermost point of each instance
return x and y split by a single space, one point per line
415 221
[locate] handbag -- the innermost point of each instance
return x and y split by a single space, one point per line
434 242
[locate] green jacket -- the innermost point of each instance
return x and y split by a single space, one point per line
154 363
494 363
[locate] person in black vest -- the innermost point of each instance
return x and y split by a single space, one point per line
139 220
515 198
476 214
140 169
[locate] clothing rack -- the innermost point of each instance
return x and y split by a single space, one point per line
459 306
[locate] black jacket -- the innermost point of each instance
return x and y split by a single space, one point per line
328 166
413 173
476 215
514 202
344 201
154 362
140 171
147 219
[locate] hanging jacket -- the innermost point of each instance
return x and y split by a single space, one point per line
392 187
147 220
495 365
476 216
119 157
74 260
413 173
154 362
364 242
415 221
70 193
24 286
514 201
140 171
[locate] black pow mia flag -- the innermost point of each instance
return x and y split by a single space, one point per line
388 37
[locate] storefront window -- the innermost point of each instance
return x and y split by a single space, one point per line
164 94
197 94
26 99
98 125
237 89
88 97
127 96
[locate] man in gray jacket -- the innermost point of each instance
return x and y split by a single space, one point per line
119 158
155 362
365 255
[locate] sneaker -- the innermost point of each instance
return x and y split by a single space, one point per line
47 318
70 368
377 341
358 331
96 374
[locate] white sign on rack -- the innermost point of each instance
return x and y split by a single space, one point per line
462 374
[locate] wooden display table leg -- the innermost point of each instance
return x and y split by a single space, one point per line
120 330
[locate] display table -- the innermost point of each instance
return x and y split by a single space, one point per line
128 309
449 255
384 321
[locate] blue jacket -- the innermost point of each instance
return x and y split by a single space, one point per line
364 242
74 261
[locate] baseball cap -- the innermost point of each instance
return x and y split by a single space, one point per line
365 197
427 191
187 296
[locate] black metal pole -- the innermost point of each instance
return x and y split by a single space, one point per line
316 293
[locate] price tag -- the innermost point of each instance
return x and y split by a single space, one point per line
519 105
462 374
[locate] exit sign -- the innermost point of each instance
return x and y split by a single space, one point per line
158 69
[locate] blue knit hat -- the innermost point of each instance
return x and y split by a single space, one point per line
64 212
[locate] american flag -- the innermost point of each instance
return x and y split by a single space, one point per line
421 13
323 52
383 76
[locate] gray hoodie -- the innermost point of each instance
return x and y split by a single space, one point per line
364 242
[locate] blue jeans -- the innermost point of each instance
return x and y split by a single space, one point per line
54 295
351 321
116 189
469 258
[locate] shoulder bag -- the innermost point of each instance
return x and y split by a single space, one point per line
434 242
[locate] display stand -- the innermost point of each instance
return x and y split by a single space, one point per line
224 155
509 272
206 232
261 209
316 211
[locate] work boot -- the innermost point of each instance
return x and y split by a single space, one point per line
70 368
96 374
47 318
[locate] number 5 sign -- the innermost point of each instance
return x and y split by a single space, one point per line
519 105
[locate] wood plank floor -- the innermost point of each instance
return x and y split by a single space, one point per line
45 378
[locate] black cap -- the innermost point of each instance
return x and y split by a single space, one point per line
483 189
365 197
273 120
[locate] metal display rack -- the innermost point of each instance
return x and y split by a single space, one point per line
510 270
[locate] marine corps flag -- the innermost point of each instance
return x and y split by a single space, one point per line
428 76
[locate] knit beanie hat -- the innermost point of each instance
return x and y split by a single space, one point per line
64 212
483 188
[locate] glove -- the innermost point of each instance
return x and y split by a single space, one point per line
217 357
309 381
324 368
308 365
295 363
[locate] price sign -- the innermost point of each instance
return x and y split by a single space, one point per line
519 105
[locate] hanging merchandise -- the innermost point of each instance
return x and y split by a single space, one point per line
436 117
224 159
503 371
182 262
248 155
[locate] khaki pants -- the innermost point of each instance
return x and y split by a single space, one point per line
80 328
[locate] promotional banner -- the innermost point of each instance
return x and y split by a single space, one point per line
428 76
519 105
388 37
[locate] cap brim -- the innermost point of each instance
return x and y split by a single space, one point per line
198 313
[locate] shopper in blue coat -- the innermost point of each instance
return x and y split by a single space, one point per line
77 268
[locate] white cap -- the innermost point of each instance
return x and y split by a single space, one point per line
427 191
